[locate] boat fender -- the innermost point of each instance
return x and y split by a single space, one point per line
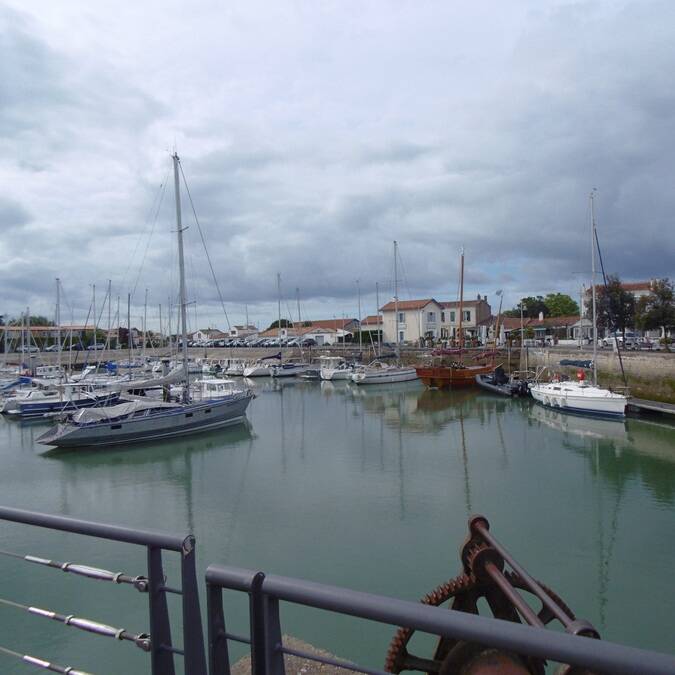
581 376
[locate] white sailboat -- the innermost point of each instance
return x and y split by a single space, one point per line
580 397
378 372
143 420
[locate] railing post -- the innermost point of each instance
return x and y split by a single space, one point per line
193 634
257 617
219 657
160 628
273 654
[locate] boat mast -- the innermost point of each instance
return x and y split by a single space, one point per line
145 319
181 265
108 340
595 325
279 308
58 325
377 300
396 294
117 318
358 289
93 305
129 330
461 300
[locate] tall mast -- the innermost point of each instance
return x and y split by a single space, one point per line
145 319
169 325
117 334
108 340
377 300
161 332
297 297
129 328
358 289
93 304
181 265
396 291
246 310
5 337
595 325
58 324
279 307
461 299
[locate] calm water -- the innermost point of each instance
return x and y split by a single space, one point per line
363 487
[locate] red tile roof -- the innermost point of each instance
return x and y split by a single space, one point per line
406 304
455 303
335 324
372 320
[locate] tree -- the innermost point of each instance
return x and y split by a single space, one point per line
36 320
657 310
285 323
615 306
559 304
531 308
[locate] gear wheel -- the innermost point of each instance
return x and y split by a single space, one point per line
465 591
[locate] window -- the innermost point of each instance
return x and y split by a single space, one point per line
467 315
442 317
452 317
401 338
115 426
401 317
188 414
431 317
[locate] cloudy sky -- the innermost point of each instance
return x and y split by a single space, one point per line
313 134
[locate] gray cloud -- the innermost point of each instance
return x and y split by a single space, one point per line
311 140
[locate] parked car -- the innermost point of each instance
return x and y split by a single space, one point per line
309 342
96 347
28 349
52 348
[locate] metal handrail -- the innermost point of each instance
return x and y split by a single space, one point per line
268 656
160 644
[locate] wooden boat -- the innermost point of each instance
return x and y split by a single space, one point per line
455 374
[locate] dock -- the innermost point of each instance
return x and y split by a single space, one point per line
643 405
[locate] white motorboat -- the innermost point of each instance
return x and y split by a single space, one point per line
289 369
335 368
580 397
381 373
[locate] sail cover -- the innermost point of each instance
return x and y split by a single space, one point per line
107 413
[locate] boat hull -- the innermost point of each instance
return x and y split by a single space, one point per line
205 416
41 407
559 398
384 377
336 374
442 377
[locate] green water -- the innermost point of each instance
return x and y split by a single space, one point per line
368 488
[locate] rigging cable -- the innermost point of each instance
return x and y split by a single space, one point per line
208 257
611 317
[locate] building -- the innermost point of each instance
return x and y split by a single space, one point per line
371 326
243 331
416 319
206 334
476 321
322 336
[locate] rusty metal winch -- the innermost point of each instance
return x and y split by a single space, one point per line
484 578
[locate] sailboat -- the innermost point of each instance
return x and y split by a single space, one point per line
145 420
456 374
378 372
579 396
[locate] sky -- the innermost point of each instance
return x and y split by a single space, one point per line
314 134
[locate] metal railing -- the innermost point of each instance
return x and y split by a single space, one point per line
159 641
482 555
267 649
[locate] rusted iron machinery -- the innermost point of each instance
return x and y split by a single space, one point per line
486 579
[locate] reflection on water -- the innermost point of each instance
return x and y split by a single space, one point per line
370 487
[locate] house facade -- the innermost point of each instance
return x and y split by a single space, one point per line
416 319
243 331
476 319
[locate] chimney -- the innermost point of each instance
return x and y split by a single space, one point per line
541 316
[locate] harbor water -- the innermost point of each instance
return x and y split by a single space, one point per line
364 487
